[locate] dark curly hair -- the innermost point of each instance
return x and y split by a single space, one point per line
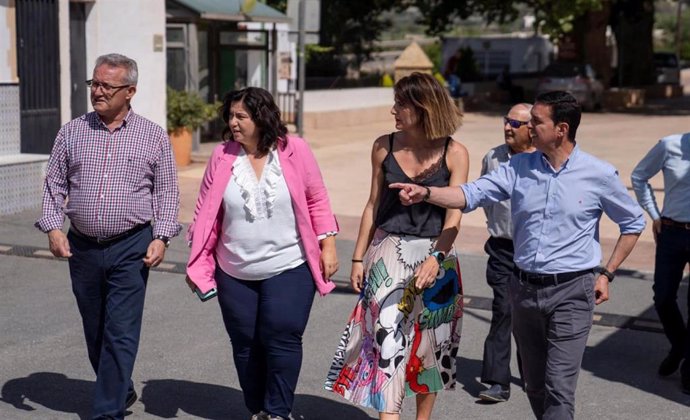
263 111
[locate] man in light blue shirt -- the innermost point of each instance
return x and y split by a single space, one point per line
671 229
557 196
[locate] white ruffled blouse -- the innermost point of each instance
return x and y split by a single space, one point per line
259 238
259 194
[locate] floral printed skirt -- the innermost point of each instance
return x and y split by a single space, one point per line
399 341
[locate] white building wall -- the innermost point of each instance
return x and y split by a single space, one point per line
8 43
129 27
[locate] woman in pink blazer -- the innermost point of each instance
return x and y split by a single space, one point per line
263 236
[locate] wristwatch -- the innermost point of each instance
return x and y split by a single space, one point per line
606 273
439 255
428 193
164 239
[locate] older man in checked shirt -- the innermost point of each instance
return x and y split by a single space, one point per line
113 174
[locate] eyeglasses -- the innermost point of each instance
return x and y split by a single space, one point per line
106 88
514 123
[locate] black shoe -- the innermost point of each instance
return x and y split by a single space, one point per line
497 393
685 383
685 377
132 397
669 364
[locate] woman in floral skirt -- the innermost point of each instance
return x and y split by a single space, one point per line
403 335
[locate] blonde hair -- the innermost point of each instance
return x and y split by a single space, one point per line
437 112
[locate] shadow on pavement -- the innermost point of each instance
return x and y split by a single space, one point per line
54 391
632 358
468 370
624 358
311 407
167 398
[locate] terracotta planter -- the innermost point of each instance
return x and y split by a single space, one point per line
181 141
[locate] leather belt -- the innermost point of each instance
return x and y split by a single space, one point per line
670 222
106 241
540 279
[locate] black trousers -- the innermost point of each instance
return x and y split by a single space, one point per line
499 271
672 255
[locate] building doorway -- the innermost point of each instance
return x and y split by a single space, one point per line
38 62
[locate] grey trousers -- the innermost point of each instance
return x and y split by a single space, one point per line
551 325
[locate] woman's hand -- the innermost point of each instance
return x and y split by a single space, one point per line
357 276
328 262
425 274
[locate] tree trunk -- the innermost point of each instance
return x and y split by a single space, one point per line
597 49
633 22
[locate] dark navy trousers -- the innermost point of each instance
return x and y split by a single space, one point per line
265 321
672 255
109 283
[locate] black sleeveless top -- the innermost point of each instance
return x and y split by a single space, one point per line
422 219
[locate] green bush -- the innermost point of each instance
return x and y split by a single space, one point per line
433 51
387 80
188 109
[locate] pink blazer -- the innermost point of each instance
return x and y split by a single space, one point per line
309 201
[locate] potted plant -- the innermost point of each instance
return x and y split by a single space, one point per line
186 112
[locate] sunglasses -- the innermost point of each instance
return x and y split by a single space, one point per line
514 123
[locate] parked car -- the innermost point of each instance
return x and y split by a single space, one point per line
577 78
666 67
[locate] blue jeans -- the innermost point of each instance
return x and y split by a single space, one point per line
672 255
109 283
265 320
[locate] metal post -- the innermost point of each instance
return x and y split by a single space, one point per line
679 15
275 59
619 50
301 76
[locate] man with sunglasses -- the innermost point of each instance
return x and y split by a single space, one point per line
671 229
500 267
112 173
557 194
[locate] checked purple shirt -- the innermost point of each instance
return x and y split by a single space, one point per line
111 181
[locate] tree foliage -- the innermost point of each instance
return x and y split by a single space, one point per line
280 5
351 26
554 17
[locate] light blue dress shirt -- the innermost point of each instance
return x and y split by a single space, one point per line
556 213
672 156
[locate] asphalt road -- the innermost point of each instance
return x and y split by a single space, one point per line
185 370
